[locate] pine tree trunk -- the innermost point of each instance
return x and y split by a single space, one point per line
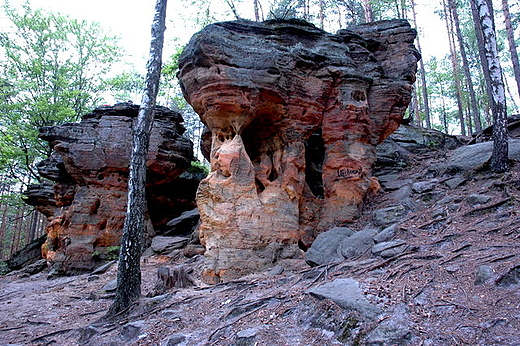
455 67
257 10
422 73
512 44
474 112
129 272
499 160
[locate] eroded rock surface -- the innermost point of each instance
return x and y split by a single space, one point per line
89 166
295 114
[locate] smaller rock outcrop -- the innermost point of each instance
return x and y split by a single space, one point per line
86 205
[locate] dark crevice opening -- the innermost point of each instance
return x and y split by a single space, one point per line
314 156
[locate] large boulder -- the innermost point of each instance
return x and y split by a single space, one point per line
89 166
294 115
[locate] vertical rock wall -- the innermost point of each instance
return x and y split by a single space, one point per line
295 114
89 168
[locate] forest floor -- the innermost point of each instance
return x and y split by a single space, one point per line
457 283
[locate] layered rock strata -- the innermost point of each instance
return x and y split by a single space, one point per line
89 168
295 114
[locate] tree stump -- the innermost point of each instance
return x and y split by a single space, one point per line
166 279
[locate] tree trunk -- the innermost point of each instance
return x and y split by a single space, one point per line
369 15
129 272
455 67
474 112
512 44
481 50
423 76
257 10
322 13
499 160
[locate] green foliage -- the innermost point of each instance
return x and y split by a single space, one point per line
50 68
198 167
125 86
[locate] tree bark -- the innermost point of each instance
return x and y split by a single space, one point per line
499 160
455 67
129 272
423 76
512 44
474 112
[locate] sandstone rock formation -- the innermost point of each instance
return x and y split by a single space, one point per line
89 166
295 114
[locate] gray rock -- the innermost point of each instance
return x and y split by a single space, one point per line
385 235
325 248
276 270
484 274
92 278
475 157
395 330
174 340
476 199
184 224
395 184
132 330
455 182
451 199
163 245
36 267
87 333
347 294
246 337
389 248
103 268
359 242
401 194
110 286
387 216
424 186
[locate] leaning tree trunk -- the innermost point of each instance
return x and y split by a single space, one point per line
499 160
129 272
512 43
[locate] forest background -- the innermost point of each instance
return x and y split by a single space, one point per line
61 59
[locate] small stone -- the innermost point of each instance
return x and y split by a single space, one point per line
347 294
103 268
92 278
389 248
484 274
163 245
452 269
385 235
355 245
455 182
132 330
110 286
85 334
277 270
325 247
387 216
476 199
246 337
424 186
175 340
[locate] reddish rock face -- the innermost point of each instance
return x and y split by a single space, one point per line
295 114
90 167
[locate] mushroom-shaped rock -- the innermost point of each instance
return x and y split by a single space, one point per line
295 114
